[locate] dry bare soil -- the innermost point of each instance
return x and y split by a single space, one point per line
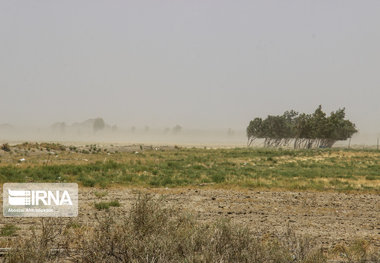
330 218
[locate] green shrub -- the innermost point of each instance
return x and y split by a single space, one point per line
114 203
88 182
107 205
8 230
5 147
102 206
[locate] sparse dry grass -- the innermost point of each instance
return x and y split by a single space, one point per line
154 232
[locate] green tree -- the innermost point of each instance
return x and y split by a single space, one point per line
307 130
177 129
98 125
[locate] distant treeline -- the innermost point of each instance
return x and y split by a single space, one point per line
315 130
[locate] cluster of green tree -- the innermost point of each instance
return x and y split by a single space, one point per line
315 130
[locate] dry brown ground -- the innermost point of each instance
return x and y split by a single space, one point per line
330 218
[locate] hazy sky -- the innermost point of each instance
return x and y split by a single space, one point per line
198 63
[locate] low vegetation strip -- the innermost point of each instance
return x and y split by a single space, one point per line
318 169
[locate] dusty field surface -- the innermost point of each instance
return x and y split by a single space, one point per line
329 218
